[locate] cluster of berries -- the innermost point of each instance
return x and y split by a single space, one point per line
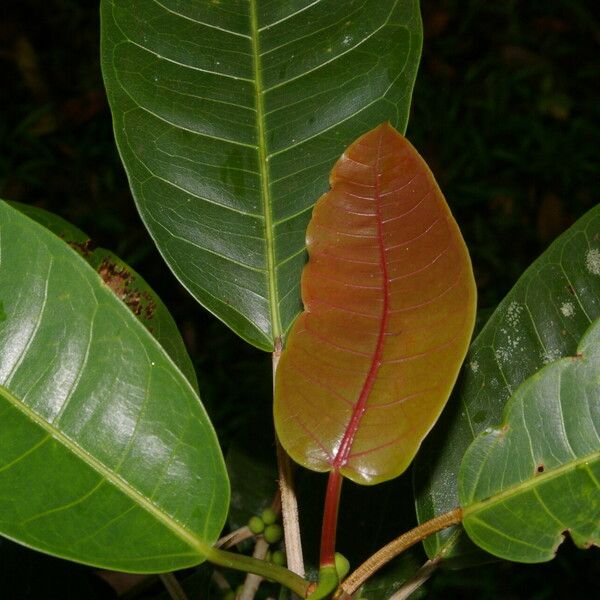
266 524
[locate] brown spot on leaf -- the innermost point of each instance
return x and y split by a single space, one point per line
149 306
119 279
84 248
571 289
540 468
114 276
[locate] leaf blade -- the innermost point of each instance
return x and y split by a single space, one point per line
389 295
228 142
127 284
555 297
549 451
92 410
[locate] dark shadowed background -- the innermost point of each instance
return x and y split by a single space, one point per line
506 111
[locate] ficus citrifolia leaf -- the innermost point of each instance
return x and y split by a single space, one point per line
228 117
125 282
541 319
389 307
528 482
107 456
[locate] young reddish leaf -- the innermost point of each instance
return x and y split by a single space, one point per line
389 307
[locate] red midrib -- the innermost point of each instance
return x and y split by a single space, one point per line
341 457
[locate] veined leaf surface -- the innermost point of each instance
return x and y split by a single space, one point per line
541 319
228 117
389 307
106 454
128 285
525 484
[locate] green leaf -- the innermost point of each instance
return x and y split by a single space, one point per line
527 483
127 284
229 116
541 319
106 456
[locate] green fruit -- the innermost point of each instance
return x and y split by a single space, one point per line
269 516
256 525
230 595
278 558
273 533
342 566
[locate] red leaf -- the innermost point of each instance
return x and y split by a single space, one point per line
389 308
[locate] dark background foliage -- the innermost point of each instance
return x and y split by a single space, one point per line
506 113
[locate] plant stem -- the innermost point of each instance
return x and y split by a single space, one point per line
265 569
289 503
330 517
220 582
328 580
418 579
252 581
289 513
173 586
234 538
394 548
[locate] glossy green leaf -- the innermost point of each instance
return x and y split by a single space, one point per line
127 284
229 115
526 483
541 319
389 308
106 455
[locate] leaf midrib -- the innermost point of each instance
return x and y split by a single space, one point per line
342 457
119 483
524 486
276 332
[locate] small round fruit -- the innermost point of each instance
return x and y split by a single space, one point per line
269 516
273 533
342 566
230 595
278 558
256 525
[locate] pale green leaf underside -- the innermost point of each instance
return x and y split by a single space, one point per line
541 319
525 484
106 454
229 116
